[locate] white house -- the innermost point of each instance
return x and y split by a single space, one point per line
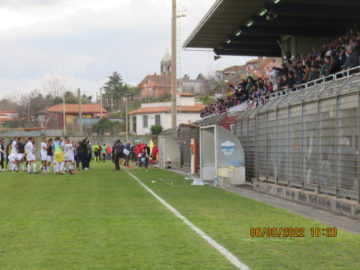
159 113
8 116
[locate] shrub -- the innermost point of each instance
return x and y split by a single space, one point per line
156 129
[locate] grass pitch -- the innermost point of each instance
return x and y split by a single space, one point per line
102 219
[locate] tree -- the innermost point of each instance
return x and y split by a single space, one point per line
105 125
206 99
31 103
115 87
54 85
216 83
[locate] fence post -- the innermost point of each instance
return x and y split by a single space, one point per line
256 148
302 146
358 148
337 161
277 146
318 146
266 146
288 148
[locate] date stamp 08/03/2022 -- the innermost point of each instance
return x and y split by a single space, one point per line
326 232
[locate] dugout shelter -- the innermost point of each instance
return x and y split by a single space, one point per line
222 157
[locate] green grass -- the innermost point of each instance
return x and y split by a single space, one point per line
228 218
98 219
102 219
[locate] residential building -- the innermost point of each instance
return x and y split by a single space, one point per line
159 113
158 85
53 117
6 116
197 86
256 68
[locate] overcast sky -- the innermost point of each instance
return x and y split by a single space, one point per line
84 41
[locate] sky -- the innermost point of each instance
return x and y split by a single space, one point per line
81 42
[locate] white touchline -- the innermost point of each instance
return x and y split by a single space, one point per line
228 255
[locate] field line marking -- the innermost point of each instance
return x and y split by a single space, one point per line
226 253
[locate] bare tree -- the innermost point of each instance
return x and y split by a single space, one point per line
55 85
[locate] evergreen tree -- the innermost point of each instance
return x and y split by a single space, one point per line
115 87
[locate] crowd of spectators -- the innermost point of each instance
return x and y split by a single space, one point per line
339 55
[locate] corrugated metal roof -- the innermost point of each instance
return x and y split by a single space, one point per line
262 23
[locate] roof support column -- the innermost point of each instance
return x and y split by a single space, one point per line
173 65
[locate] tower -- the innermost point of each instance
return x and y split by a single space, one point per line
165 67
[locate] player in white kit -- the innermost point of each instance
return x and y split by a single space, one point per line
30 155
43 154
13 156
69 155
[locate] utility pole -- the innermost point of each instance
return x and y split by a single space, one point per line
101 104
126 118
173 65
64 114
80 110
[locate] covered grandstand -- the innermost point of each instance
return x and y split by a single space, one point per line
254 27
304 140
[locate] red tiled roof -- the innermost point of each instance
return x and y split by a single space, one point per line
74 108
167 109
253 61
234 69
186 94
4 113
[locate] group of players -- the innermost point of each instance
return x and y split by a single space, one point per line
60 152
63 154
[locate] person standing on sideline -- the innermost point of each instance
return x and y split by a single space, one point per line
127 152
30 155
83 153
89 155
103 153
117 154
2 154
144 158
154 153
108 152
96 150
147 149
43 154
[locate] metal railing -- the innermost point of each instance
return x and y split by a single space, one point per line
332 77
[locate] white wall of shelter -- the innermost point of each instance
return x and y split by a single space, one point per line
221 156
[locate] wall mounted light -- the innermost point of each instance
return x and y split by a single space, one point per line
250 23
263 12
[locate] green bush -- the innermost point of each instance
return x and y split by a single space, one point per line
156 130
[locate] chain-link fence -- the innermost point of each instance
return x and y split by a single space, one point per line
307 139
183 135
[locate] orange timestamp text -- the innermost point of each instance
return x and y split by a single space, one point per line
292 232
